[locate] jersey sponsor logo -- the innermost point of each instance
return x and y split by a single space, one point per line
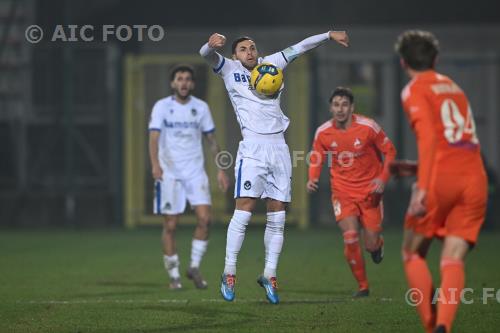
241 77
180 134
346 159
180 124
247 185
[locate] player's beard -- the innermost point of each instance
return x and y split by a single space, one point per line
250 65
183 95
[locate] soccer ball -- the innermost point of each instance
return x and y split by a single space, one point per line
266 79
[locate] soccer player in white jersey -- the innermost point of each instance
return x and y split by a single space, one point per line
263 166
176 127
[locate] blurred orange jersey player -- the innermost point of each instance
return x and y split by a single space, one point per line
358 154
449 157
449 198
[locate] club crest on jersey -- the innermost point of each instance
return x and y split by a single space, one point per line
171 111
357 143
194 112
168 206
247 185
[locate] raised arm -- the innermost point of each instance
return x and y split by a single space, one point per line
282 58
209 51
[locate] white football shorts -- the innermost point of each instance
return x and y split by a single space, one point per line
171 194
263 169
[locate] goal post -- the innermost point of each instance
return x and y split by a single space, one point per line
146 79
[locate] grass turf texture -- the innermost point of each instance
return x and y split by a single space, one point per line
114 281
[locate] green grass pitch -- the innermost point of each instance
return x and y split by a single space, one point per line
114 281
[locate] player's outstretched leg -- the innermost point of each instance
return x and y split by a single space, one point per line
419 277
420 283
452 280
354 257
235 236
273 242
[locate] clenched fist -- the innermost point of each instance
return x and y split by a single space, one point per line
216 41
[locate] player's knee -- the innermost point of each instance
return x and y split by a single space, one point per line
169 226
204 222
245 204
350 237
276 222
413 249
276 205
409 255
455 247
239 221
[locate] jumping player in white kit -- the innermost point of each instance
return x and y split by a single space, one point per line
263 166
176 128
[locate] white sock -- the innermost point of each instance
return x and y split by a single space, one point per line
198 249
235 237
273 241
172 265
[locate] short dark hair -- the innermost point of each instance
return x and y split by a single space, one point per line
181 68
343 92
418 49
237 41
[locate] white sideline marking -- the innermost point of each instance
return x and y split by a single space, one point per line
185 301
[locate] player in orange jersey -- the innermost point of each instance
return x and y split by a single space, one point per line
358 154
449 197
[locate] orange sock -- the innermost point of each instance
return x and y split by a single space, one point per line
420 279
354 257
452 284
